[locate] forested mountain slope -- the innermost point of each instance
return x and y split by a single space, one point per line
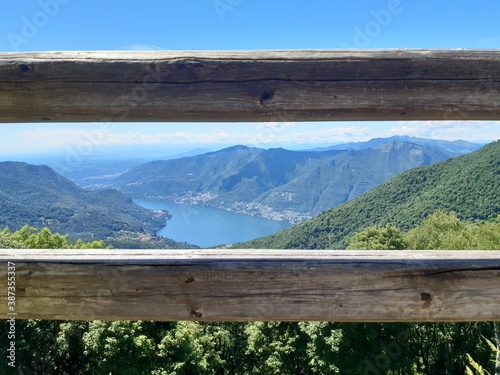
468 185
275 183
39 197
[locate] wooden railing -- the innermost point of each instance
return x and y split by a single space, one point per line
238 285
249 86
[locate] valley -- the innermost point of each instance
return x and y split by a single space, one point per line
280 184
276 185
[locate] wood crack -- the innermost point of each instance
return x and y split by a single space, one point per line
259 80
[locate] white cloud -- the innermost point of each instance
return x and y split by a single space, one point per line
450 130
275 125
36 138
45 138
331 135
60 138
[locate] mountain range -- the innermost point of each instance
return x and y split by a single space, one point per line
468 185
459 146
282 184
38 196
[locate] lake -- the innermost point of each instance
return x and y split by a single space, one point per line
206 226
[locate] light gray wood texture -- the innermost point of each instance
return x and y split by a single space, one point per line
250 85
248 285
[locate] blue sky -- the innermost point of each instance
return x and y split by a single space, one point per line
239 24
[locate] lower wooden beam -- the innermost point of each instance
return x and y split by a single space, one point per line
251 285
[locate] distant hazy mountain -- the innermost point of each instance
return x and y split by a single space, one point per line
96 173
459 147
39 197
468 185
276 183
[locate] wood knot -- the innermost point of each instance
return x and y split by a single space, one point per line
425 296
196 314
189 280
24 68
265 96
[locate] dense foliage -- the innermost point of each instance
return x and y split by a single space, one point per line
439 231
468 185
125 347
32 238
139 347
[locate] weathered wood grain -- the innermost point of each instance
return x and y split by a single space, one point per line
248 285
250 85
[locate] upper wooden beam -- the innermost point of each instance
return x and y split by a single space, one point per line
250 86
248 285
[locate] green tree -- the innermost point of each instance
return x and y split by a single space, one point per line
445 231
36 347
119 347
440 231
378 238
323 346
374 348
191 349
31 238
486 236
480 370
7 240
44 239
278 348
72 357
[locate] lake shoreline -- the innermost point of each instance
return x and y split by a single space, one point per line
210 226
245 208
